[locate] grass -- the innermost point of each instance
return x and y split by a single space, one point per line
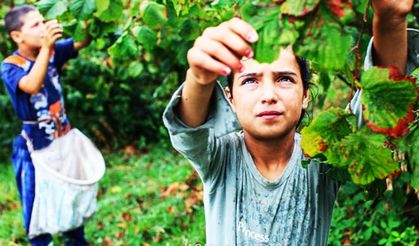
155 198
144 199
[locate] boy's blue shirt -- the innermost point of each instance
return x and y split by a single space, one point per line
47 102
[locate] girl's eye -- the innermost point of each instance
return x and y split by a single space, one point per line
285 79
249 81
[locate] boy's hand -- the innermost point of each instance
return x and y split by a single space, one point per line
389 29
219 50
392 9
53 32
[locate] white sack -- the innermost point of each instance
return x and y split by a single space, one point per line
66 176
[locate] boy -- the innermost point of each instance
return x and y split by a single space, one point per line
255 189
31 77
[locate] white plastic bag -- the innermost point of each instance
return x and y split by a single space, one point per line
66 176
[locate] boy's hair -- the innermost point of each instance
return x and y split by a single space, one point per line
304 67
13 20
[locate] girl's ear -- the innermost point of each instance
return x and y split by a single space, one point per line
306 99
229 97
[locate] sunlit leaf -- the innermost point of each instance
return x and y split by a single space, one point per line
135 69
101 6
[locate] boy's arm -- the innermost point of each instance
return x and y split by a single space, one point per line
390 34
33 82
88 39
217 52
80 45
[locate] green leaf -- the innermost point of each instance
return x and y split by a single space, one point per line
79 33
145 36
408 144
387 100
247 11
154 14
101 6
52 8
135 69
382 241
189 30
415 74
267 48
299 7
334 47
125 46
366 157
323 135
112 12
415 174
82 8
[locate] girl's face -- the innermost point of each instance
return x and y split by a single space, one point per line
269 98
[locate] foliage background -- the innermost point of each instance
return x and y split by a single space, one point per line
116 91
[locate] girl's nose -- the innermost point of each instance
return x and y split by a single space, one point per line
268 92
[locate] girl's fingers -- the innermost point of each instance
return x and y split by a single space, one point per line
230 39
201 59
244 29
219 52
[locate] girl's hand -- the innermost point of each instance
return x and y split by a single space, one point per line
219 50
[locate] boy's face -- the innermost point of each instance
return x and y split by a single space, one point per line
269 98
32 32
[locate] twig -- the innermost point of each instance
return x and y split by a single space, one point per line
356 49
344 80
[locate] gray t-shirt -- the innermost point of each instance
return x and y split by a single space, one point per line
241 206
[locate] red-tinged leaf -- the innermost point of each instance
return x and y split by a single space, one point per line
107 241
126 216
171 190
388 101
322 136
338 7
120 235
194 199
366 157
299 7
401 129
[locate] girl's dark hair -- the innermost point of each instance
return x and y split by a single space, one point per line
304 67
13 20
